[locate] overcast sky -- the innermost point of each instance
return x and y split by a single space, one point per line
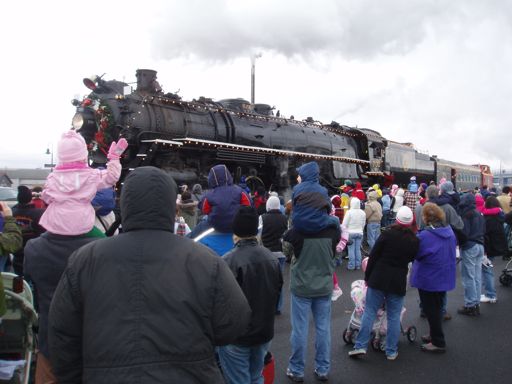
436 73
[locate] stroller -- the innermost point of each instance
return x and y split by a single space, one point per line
378 339
17 342
506 275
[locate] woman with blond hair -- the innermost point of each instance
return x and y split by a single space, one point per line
433 272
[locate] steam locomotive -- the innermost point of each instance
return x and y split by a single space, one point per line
187 138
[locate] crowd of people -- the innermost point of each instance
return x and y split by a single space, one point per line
172 283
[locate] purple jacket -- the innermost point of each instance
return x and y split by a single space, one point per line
434 267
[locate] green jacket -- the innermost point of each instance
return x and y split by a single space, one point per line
313 262
10 241
10 238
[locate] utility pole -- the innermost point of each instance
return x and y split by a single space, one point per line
253 74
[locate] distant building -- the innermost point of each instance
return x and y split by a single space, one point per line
503 178
29 177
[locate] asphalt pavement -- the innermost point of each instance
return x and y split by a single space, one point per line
479 349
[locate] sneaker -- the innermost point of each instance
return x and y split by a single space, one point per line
469 311
321 376
485 299
293 377
392 357
426 339
336 293
429 347
357 352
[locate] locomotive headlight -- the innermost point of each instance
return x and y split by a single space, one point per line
84 122
78 121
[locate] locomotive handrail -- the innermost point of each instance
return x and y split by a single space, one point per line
190 140
162 141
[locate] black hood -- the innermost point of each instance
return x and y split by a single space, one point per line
148 200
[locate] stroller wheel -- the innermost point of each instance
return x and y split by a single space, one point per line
374 341
353 336
506 279
347 336
411 333
382 345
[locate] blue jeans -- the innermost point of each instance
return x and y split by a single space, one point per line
373 233
354 250
243 365
471 274
488 280
282 259
321 309
374 300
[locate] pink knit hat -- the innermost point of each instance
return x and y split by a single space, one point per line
71 148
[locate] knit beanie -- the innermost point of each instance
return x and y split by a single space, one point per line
245 223
104 202
404 216
24 194
447 187
273 203
71 148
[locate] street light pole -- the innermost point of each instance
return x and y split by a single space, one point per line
50 152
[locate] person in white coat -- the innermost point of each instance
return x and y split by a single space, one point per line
354 221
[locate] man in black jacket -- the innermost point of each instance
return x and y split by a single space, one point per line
273 225
146 306
257 271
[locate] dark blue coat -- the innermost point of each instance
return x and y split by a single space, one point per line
224 199
474 222
311 203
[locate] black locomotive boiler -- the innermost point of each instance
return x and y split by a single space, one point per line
187 138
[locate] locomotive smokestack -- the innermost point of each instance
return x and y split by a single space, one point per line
146 81
253 75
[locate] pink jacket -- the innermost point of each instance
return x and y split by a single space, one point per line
69 192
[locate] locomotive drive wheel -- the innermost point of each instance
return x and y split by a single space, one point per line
411 333
253 182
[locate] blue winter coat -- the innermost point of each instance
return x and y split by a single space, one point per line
224 199
311 203
434 268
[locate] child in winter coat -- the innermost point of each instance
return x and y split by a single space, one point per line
72 185
354 221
